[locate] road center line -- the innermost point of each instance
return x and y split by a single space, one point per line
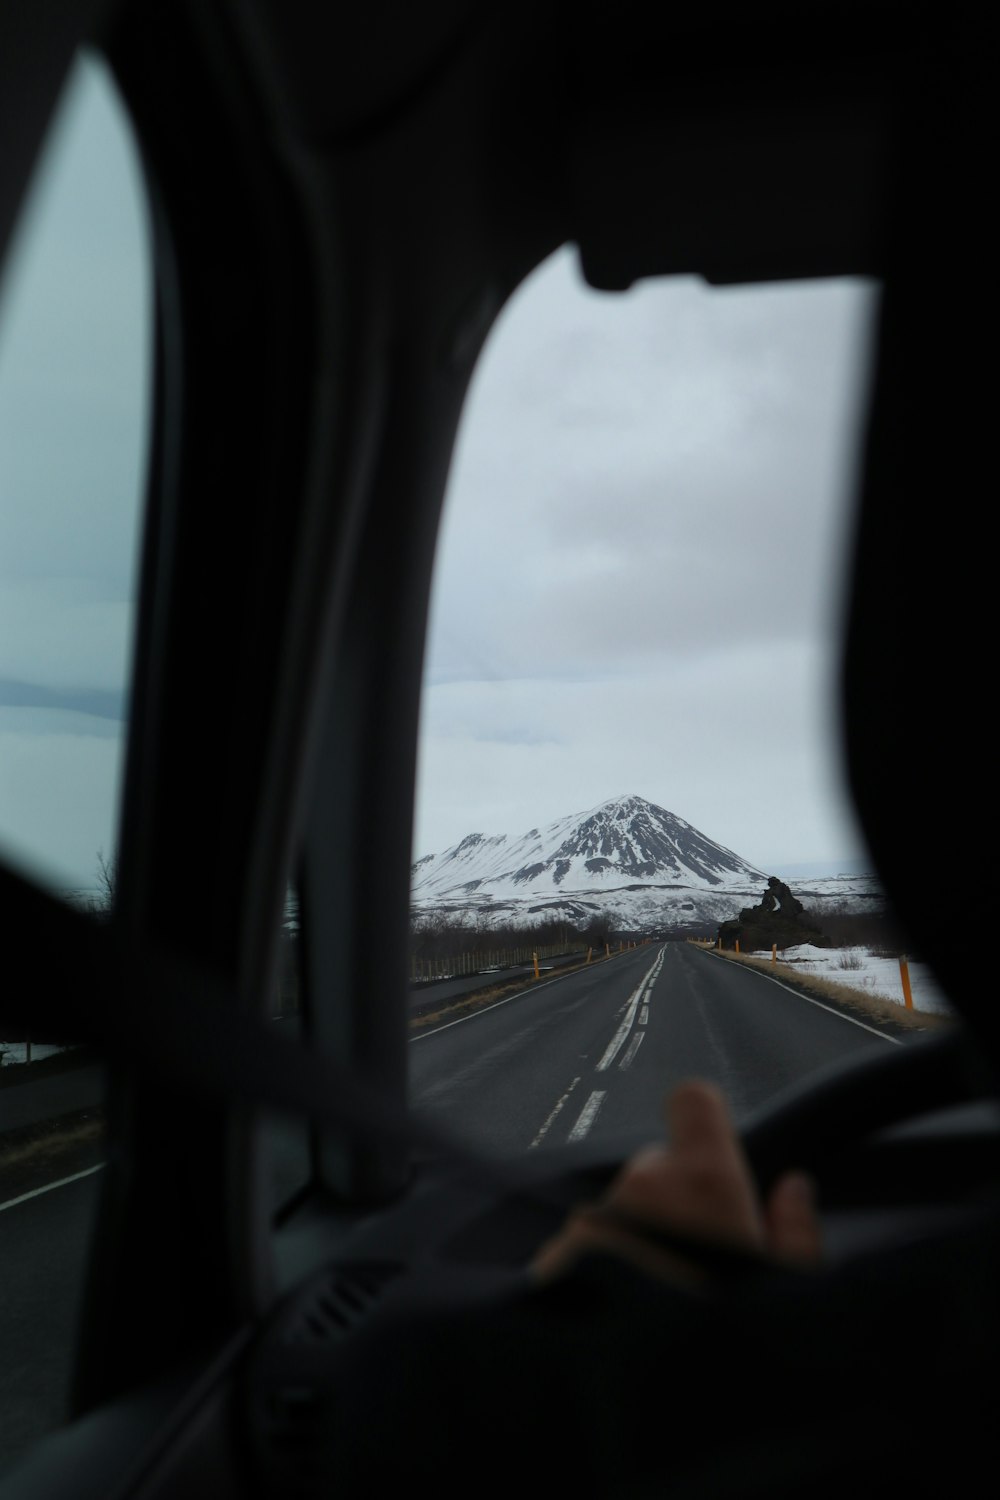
631 1050
558 1106
588 1115
618 1040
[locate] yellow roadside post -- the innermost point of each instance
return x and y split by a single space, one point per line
904 974
589 952
737 945
535 957
774 953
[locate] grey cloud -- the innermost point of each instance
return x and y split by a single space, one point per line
92 702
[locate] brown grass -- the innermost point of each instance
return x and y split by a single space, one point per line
876 1007
36 1154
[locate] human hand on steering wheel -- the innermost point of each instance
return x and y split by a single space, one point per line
698 1187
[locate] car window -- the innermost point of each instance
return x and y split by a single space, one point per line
75 347
75 342
629 718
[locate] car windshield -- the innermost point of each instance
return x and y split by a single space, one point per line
629 722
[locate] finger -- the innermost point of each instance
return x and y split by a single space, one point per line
701 1128
589 1231
792 1223
697 1117
583 1230
709 1157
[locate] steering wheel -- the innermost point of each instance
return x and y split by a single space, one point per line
868 1134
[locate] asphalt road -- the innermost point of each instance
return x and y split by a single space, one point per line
37 1099
585 1056
590 1056
43 1244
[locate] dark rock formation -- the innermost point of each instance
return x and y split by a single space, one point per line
777 918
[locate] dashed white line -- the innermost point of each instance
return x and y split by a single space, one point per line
588 1115
548 1123
644 1015
618 1040
631 1050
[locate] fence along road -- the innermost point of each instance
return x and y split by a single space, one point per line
428 994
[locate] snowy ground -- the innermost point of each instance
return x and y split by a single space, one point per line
859 970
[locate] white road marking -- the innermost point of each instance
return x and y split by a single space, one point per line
545 1128
644 1015
49 1187
618 1040
588 1115
474 1014
631 1050
748 968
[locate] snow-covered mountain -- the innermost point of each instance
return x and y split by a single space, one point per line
626 839
628 859
640 866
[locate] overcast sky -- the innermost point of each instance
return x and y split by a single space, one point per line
639 579
74 366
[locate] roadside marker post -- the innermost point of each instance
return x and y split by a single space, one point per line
904 974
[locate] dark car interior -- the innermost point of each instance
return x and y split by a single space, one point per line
343 199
